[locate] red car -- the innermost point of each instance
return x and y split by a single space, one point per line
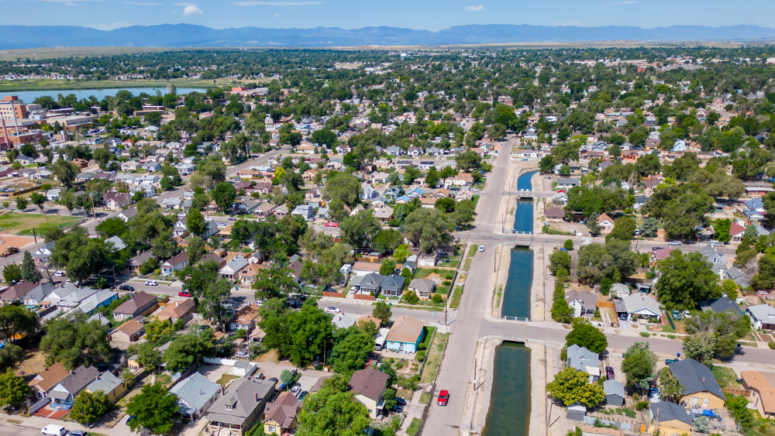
443 398
331 224
183 294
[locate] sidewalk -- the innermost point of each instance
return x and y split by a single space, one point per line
38 423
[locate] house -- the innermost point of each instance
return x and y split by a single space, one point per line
584 360
720 305
110 385
249 273
364 268
140 304
74 298
368 386
372 282
17 292
405 334
245 318
614 393
583 303
619 290
130 166
64 393
762 394
762 316
428 260
127 214
265 209
393 285
47 379
280 414
43 254
668 418
344 320
567 183
606 223
175 263
116 242
424 288
233 266
176 310
116 200
129 331
195 395
637 305
152 167
239 407
305 211
384 213
140 259
700 385
554 214
101 298
36 296
53 194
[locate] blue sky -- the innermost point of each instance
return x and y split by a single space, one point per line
423 14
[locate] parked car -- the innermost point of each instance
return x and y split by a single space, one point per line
77 433
273 379
296 389
302 395
398 409
657 248
609 373
443 398
331 309
54 430
481 248
686 314
715 244
331 224
151 283
126 288
676 315
669 361
183 294
654 396
674 243
400 401
59 274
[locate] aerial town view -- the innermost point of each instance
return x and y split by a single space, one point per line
337 218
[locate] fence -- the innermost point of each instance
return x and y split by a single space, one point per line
333 294
39 405
364 297
606 304
737 392
516 318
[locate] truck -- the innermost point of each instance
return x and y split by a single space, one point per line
9 251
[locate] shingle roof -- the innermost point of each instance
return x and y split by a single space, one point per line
695 377
667 411
196 390
51 376
583 360
241 399
106 383
405 329
283 409
720 305
755 380
17 291
372 281
140 301
613 387
392 282
368 382
422 285
79 379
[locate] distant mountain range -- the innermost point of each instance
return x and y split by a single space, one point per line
186 35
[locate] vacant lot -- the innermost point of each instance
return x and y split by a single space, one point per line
23 223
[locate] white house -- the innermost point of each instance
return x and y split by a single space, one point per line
175 263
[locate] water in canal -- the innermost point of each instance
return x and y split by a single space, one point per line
523 220
99 94
516 295
509 413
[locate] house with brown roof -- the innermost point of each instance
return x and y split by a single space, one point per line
174 263
129 331
280 415
554 214
47 379
116 200
405 334
364 268
140 259
214 257
249 272
176 310
762 394
368 386
140 304
265 209
245 318
606 223
16 292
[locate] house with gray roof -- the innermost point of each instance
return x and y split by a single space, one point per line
344 320
195 395
127 214
567 183
240 407
116 242
762 316
639 305
112 386
720 305
372 282
140 259
669 417
75 297
233 266
584 360
99 299
700 385
37 294
583 303
614 393
64 393
393 285
424 288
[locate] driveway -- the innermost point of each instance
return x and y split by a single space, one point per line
214 372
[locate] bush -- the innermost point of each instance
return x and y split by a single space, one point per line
420 356
635 396
642 405
568 245
411 298
645 334
394 223
771 345
422 346
673 337
437 298
446 283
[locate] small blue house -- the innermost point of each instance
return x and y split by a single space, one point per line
405 335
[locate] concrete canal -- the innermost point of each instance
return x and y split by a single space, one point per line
516 296
509 413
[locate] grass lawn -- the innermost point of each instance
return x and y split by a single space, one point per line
164 379
414 427
457 294
433 360
226 378
725 377
22 223
422 273
471 253
443 290
425 398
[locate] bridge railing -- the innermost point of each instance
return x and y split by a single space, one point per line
516 318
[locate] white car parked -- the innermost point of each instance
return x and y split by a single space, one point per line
481 248
331 309
151 283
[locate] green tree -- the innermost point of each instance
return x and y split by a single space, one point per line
686 279
559 259
360 229
186 349
111 227
464 213
10 355
586 335
88 407
427 229
13 389
387 267
301 336
739 408
12 273
596 262
274 282
21 203
402 252
592 225
624 229
65 172
329 412
147 355
568 245
382 312
195 250
224 195
353 347
17 320
72 341
286 377
343 187
196 222
638 365
39 200
669 386
30 272
649 228
571 386
153 409
468 161
721 228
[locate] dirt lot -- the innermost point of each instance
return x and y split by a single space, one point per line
33 363
15 241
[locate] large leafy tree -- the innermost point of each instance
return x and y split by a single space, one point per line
154 409
596 261
210 291
382 312
571 386
715 334
639 364
15 320
186 349
301 336
72 341
65 171
224 195
329 412
359 230
343 187
88 407
586 335
196 222
686 279
274 282
13 389
428 229
351 350
30 272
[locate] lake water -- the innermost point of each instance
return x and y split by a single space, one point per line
509 413
80 94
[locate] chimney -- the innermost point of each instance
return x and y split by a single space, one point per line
177 303
703 379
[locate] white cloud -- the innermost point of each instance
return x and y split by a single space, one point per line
474 8
263 3
113 26
277 14
627 2
192 10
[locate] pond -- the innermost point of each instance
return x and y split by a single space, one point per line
509 413
80 94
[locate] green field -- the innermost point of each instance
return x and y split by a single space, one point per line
23 223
